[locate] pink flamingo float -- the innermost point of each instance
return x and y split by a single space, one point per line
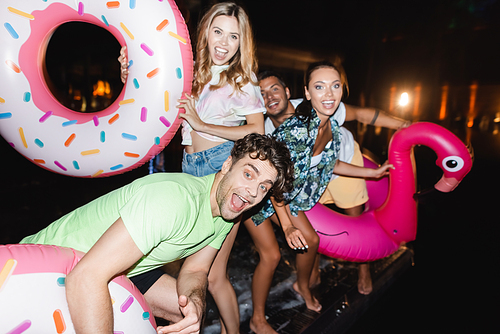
381 229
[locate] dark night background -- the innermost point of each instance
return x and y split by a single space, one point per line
452 288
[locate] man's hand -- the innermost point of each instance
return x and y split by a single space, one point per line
193 314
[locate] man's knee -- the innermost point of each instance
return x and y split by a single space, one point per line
163 300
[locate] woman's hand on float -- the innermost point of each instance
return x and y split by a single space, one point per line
295 238
123 64
191 323
190 114
382 170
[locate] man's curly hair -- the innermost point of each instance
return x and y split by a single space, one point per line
266 147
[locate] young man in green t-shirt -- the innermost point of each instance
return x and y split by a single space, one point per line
156 220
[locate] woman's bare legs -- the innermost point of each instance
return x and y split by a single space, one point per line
365 285
306 260
269 257
221 289
315 278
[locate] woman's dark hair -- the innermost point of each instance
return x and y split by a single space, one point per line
303 110
266 147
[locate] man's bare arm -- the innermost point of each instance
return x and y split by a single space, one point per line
87 291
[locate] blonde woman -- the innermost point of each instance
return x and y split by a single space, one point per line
225 105
225 90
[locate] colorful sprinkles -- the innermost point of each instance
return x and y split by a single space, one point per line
124 27
23 138
42 142
21 328
11 30
179 38
58 164
38 143
90 152
5 115
59 321
126 304
162 25
70 140
80 9
13 66
113 4
166 99
144 114
165 121
44 117
153 73
20 13
6 272
68 123
147 49
129 136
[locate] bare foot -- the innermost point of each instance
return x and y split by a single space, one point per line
261 327
311 303
365 286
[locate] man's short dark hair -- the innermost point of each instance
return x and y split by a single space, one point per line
266 147
267 74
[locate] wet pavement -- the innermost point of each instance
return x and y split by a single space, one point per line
286 311
450 288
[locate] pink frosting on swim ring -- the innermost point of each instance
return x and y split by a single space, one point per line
133 129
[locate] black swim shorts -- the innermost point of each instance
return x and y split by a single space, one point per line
144 281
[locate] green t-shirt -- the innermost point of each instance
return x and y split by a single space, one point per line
168 215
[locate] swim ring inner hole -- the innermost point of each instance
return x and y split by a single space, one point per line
81 67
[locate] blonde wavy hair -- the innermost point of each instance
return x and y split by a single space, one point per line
243 64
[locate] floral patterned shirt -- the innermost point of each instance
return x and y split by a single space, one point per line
309 183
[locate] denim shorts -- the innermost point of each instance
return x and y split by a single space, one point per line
206 162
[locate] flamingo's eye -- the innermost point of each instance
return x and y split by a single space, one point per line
453 163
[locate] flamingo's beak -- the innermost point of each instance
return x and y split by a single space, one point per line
447 184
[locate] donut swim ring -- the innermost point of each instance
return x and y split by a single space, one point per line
33 297
379 231
135 127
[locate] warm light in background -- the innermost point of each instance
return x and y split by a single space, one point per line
497 118
416 101
472 104
444 101
102 88
392 97
403 101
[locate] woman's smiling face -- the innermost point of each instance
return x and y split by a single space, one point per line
324 90
223 39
